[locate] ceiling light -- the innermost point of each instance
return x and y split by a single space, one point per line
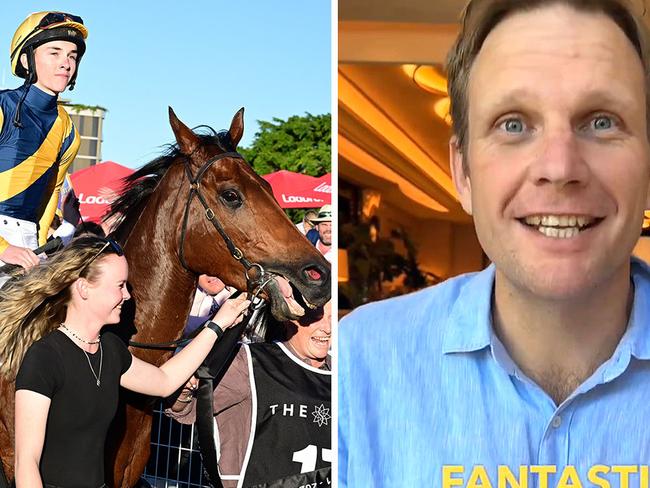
441 108
427 77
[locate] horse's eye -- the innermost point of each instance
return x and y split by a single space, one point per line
231 198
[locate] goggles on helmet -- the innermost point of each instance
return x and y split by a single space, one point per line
49 20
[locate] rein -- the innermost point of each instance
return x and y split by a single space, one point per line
256 304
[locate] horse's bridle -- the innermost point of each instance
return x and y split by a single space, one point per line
235 252
256 284
195 190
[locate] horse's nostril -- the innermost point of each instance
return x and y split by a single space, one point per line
313 273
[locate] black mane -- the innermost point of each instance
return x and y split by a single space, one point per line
141 184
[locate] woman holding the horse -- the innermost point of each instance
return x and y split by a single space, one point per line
68 383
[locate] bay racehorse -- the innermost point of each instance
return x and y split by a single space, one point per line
198 209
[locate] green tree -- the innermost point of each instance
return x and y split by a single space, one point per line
302 144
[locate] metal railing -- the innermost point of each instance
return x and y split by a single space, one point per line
175 461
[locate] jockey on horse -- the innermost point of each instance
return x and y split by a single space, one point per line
38 140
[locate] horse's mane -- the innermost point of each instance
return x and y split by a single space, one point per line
141 184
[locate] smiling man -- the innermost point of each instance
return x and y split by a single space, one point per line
321 235
543 358
38 141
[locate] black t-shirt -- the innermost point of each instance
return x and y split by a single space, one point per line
80 411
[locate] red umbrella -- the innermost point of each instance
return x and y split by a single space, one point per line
322 187
296 190
97 186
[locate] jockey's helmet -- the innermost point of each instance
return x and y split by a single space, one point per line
42 27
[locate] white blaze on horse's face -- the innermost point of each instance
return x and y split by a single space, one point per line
109 291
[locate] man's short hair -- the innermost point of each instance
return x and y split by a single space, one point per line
481 16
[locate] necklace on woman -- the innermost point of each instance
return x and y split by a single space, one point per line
101 352
101 358
71 332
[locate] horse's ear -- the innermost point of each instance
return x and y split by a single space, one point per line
236 130
187 140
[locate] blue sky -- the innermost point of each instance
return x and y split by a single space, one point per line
205 58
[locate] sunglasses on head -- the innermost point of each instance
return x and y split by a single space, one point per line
51 18
58 18
115 248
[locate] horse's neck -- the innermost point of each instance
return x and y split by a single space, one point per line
162 288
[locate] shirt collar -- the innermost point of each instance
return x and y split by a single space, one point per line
39 100
637 335
469 325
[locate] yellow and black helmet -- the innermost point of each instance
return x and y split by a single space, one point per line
43 27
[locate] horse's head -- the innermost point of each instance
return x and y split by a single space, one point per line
230 195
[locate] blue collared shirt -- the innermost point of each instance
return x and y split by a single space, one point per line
424 383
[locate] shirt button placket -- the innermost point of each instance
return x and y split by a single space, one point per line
554 445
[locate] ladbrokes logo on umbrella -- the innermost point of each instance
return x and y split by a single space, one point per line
298 199
92 199
323 188
547 476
